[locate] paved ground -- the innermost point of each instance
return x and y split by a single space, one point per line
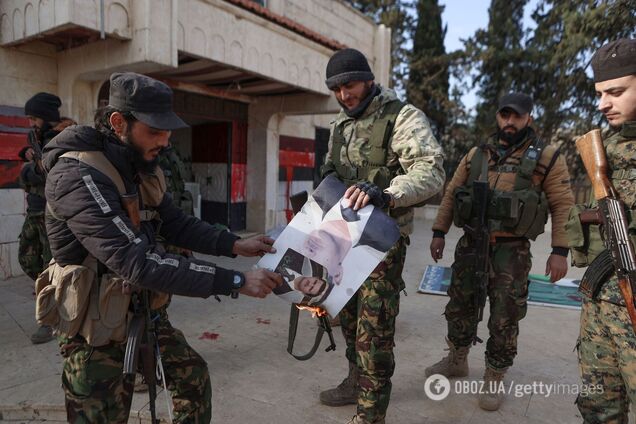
255 380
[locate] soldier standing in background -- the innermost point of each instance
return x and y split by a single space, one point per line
526 180
34 254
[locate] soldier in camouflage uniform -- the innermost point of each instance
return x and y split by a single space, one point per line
34 253
514 159
386 154
607 343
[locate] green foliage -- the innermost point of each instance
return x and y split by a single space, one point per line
427 86
394 15
557 72
495 55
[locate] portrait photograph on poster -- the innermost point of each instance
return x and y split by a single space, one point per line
327 250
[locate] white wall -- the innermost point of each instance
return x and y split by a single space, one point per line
12 212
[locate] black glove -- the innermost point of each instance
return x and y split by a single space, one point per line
379 198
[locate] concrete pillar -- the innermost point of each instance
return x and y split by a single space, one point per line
264 117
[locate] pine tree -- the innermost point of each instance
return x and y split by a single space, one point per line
428 85
498 55
394 15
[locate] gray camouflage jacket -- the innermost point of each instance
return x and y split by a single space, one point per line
413 146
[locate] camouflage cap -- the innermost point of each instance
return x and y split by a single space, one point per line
615 60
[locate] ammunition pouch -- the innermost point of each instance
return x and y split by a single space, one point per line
522 213
462 205
73 301
584 240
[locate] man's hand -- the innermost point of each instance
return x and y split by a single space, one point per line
260 282
253 246
362 194
437 248
28 154
556 267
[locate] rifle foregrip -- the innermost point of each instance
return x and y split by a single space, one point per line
628 296
590 147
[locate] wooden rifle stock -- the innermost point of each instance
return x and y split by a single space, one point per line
130 202
590 147
628 295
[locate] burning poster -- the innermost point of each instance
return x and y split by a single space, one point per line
328 249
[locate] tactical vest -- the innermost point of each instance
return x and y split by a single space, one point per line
76 299
522 212
375 169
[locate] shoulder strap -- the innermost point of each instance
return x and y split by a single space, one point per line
97 160
528 163
478 165
337 141
382 131
387 120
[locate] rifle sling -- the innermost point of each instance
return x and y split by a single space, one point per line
293 327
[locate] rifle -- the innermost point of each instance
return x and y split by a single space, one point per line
141 341
614 223
480 234
33 142
141 345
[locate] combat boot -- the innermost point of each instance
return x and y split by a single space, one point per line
43 334
346 393
455 364
492 395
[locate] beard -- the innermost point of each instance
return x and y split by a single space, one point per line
367 96
513 138
137 157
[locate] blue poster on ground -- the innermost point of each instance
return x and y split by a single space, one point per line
562 294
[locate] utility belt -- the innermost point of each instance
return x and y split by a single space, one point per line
522 213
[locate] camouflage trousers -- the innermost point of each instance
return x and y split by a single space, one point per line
34 253
368 326
96 390
607 363
510 263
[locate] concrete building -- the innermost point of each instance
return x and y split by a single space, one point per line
248 78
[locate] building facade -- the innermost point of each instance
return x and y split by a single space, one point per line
248 79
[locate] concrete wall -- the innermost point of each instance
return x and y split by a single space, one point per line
25 71
12 212
341 22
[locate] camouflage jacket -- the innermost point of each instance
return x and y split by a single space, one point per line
621 155
551 174
412 146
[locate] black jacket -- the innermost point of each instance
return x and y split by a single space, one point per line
89 218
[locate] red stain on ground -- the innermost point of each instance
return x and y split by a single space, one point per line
208 336
262 321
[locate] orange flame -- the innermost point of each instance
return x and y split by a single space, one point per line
315 311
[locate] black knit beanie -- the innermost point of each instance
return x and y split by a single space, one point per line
347 65
45 106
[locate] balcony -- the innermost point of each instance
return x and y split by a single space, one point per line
64 23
